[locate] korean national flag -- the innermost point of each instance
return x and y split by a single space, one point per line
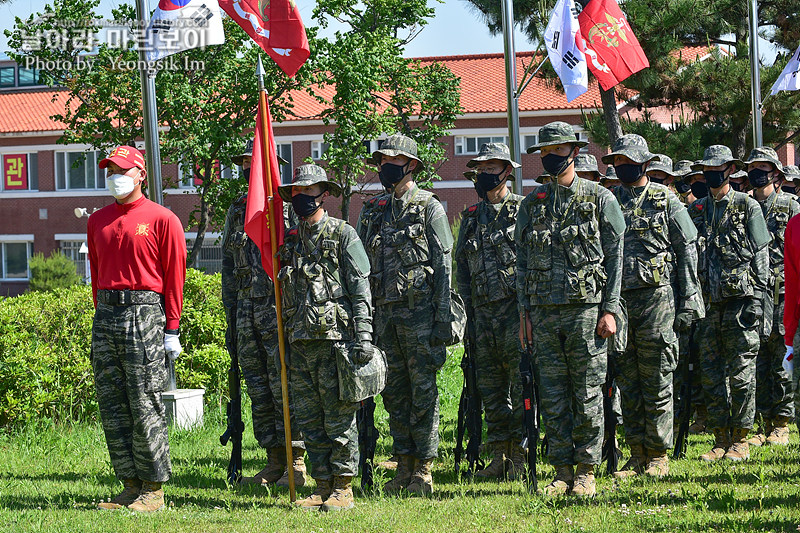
565 55
789 80
179 25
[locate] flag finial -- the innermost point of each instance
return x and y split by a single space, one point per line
260 74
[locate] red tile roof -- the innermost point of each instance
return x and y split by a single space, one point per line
29 111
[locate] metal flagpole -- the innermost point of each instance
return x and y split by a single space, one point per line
273 241
152 151
511 89
755 75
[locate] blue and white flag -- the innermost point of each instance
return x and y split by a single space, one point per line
789 80
566 56
179 25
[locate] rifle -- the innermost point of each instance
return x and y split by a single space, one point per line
530 413
610 455
233 410
681 442
367 440
469 414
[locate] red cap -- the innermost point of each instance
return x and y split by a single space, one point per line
125 156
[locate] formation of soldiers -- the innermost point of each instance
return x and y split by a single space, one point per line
633 267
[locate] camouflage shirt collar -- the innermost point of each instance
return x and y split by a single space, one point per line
313 229
725 200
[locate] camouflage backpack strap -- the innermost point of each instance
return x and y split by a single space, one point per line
333 233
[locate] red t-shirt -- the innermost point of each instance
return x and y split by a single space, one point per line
791 269
139 246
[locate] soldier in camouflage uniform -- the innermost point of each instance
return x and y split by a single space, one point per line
586 167
660 170
662 296
610 180
486 259
249 299
738 181
733 265
408 240
791 176
681 185
569 270
774 397
326 305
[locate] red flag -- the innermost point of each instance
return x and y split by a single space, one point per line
276 26
612 50
256 216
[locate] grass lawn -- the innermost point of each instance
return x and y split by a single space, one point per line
52 476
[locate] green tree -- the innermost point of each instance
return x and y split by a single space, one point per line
205 110
54 272
374 90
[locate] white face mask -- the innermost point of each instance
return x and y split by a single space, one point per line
120 185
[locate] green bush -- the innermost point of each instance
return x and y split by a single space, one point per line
45 338
54 272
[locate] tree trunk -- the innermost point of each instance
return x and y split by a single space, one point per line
739 147
611 114
347 193
194 255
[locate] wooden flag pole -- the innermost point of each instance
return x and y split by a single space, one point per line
276 265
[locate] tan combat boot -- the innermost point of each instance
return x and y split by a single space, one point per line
739 450
584 481
779 432
517 464
657 463
405 468
151 498
388 464
497 468
342 496
562 482
722 441
276 466
130 491
635 464
299 467
422 480
318 497
760 438
700 421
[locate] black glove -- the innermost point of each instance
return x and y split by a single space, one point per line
440 335
363 350
683 321
753 311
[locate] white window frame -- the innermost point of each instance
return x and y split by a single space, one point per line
534 137
15 239
80 259
471 144
286 170
32 156
186 181
99 176
583 136
318 149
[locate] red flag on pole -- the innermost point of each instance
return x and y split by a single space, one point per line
256 217
275 26
612 50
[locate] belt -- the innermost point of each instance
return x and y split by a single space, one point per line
128 297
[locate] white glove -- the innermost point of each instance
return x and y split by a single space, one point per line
172 345
788 363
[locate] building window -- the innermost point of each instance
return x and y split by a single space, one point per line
583 136
78 170
209 260
20 172
318 149
528 141
285 151
15 257
7 76
472 145
77 252
28 77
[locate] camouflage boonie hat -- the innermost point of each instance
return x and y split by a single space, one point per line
683 168
662 163
632 146
738 174
791 172
695 170
470 175
248 152
491 151
586 163
765 154
717 155
545 178
556 133
306 175
397 144
611 174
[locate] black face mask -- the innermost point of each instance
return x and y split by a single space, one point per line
699 189
479 190
391 174
629 173
556 164
487 181
758 177
246 174
305 205
789 188
656 180
715 178
736 186
682 187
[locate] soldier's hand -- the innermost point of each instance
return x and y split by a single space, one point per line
172 345
752 311
606 325
440 335
683 321
362 352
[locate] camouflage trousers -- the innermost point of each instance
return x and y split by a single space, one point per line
646 367
411 396
728 346
327 423
256 344
128 360
774 395
497 367
571 360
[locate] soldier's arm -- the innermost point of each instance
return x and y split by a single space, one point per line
361 228
683 238
523 219
760 238
612 231
228 280
440 242
355 277
462 266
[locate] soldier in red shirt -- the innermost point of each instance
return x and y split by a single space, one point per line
137 255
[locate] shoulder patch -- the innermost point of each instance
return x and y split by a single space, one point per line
541 195
383 202
472 208
293 231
